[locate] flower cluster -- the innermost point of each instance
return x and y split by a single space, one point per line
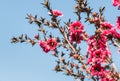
98 53
76 29
98 50
48 45
98 70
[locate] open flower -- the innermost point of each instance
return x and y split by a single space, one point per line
48 45
100 55
76 27
106 25
97 70
52 43
56 13
76 37
116 3
44 46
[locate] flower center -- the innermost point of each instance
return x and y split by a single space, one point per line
51 44
97 69
76 28
98 55
76 37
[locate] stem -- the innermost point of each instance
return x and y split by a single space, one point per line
65 36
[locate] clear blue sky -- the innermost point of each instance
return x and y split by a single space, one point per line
22 62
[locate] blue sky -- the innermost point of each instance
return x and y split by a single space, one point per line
22 62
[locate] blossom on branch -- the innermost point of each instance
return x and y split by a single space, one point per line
106 25
116 3
76 27
52 43
44 46
97 70
48 45
76 37
99 56
56 13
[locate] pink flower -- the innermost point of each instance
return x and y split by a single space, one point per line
106 25
100 55
97 70
116 3
106 33
76 37
76 27
48 45
97 50
111 32
56 13
52 43
114 33
44 46
118 23
101 43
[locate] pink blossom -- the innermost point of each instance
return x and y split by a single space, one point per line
52 43
106 25
116 3
93 43
98 56
76 37
48 45
101 42
44 46
56 13
76 27
91 39
97 70
97 49
114 33
118 23
106 32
